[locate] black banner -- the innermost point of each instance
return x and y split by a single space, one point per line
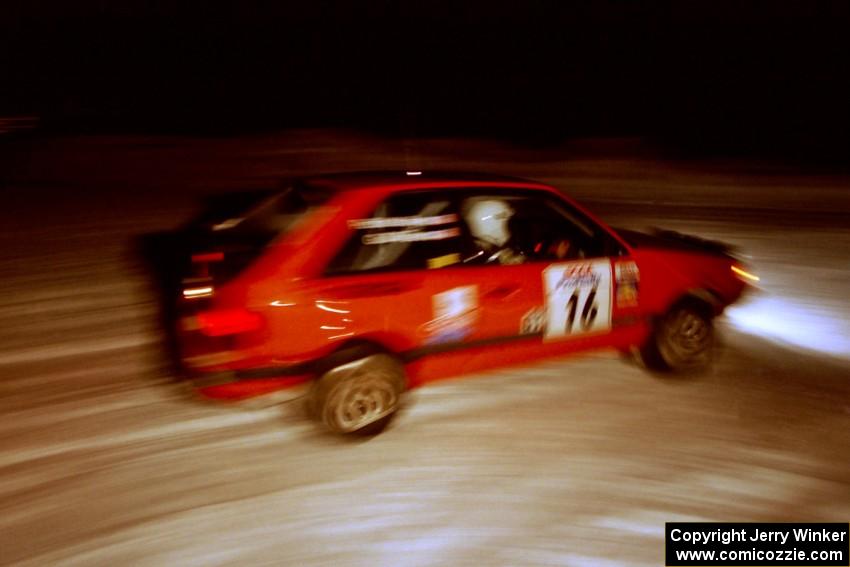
741 544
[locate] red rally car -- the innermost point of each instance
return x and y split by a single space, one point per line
356 287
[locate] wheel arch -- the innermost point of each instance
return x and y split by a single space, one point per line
351 350
704 299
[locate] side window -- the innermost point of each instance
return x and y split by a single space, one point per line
409 231
514 228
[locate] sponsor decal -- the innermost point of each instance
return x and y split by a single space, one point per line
627 295
577 298
626 272
627 277
410 236
533 321
455 314
398 222
442 261
413 229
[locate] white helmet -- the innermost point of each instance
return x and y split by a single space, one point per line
488 221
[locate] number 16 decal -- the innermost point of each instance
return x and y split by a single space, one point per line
578 298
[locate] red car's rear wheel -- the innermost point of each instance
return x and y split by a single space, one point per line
360 396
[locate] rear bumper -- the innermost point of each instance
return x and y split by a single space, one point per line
287 381
235 385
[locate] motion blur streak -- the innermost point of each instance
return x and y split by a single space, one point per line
103 461
792 323
745 274
198 292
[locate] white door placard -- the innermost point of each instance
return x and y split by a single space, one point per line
577 298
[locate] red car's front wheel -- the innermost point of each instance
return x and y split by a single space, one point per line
682 340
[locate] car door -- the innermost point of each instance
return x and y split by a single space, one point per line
416 277
567 284
405 279
394 277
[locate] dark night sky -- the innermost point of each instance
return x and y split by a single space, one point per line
759 76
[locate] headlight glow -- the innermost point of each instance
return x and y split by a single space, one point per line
794 323
745 275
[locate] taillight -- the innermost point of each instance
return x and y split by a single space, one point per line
224 322
207 257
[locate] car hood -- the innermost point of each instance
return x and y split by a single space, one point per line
659 239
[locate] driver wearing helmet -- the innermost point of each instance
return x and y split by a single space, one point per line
488 222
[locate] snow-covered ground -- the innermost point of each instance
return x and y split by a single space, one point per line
105 461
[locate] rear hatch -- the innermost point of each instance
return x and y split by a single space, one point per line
233 231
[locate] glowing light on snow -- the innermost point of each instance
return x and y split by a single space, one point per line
801 325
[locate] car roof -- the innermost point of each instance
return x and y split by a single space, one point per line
400 180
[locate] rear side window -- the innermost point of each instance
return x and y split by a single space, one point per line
237 227
409 231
